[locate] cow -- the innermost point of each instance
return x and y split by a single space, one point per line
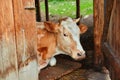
59 38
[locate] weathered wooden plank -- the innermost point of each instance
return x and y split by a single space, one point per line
108 5
117 28
111 43
26 36
113 63
1 62
112 28
98 29
7 42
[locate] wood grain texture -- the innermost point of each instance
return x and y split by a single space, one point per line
111 46
18 37
98 30
8 65
108 5
111 61
26 38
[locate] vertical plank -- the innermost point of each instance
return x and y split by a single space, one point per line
1 60
26 39
108 5
111 39
98 30
118 27
8 67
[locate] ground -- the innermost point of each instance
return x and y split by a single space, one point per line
85 74
69 69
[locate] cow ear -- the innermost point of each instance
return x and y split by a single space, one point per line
51 27
83 28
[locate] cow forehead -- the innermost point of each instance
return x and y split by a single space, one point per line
71 26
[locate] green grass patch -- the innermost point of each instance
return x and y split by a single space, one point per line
68 7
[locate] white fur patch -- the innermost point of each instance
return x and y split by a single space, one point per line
72 27
52 61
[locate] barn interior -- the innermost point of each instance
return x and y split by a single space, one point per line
67 68
18 42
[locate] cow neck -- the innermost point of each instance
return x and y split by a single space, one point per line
58 49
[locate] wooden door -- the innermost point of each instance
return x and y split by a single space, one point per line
18 39
8 56
111 38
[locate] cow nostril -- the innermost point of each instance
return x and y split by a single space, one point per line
78 54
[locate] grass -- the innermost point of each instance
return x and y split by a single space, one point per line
68 7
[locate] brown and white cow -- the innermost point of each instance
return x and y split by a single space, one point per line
59 38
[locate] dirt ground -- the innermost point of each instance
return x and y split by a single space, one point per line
85 74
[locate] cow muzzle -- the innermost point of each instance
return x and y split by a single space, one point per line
79 55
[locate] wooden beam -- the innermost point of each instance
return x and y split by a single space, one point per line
46 10
98 30
38 13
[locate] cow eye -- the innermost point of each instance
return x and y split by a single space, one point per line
65 35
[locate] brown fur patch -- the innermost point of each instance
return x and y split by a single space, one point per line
43 52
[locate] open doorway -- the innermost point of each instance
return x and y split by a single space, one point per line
67 8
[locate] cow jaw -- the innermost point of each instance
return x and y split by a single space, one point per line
68 39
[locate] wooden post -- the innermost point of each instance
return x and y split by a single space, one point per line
77 8
46 10
98 30
38 13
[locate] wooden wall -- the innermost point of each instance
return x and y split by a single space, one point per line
106 35
18 40
111 37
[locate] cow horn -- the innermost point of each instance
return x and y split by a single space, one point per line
76 20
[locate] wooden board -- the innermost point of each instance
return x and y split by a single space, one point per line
111 43
26 38
8 59
18 37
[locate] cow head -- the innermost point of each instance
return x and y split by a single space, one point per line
68 37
